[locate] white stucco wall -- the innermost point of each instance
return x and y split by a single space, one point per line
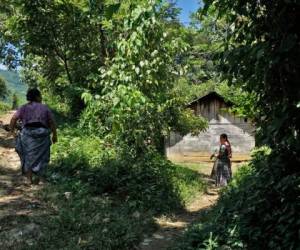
239 131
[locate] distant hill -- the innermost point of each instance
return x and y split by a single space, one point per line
14 84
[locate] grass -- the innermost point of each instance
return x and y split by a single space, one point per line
203 168
95 200
85 221
189 181
3 108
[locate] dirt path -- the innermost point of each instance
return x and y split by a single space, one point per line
17 201
172 228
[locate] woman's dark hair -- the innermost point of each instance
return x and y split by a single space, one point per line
224 136
33 95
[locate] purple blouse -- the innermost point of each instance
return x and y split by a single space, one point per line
34 112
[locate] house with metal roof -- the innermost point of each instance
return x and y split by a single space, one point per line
215 109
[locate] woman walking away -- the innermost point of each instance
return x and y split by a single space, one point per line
33 142
223 173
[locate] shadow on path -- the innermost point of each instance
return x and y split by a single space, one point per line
7 142
172 228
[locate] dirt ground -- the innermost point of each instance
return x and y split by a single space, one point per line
18 202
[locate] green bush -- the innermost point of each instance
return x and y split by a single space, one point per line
142 181
4 107
99 200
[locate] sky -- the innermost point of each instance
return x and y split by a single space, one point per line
187 7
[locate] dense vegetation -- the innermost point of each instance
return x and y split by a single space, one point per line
259 210
109 72
120 74
98 200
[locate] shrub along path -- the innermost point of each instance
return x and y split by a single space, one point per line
172 228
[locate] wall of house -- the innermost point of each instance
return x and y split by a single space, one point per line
199 148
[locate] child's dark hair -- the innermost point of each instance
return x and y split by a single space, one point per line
33 95
224 136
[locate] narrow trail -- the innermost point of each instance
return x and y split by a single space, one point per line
171 229
18 202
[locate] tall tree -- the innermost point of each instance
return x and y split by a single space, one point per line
65 39
62 44
137 103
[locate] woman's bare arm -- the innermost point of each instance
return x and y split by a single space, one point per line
13 124
53 128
